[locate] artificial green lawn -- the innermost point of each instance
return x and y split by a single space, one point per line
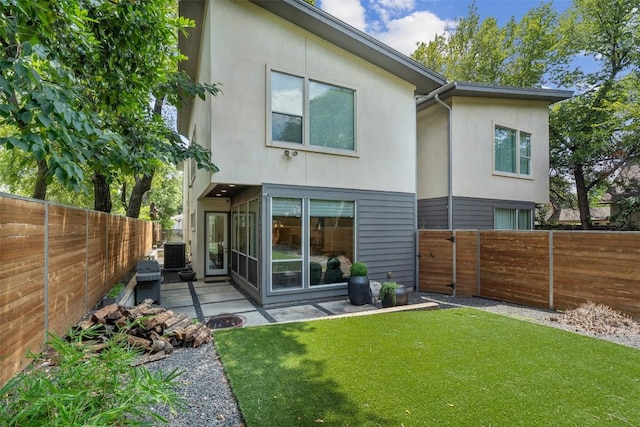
457 367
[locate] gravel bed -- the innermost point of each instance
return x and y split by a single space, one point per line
204 386
210 401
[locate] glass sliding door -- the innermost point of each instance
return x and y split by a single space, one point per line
216 243
286 243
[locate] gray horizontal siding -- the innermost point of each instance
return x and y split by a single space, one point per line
468 212
432 213
386 228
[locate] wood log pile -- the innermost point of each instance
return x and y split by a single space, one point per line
155 330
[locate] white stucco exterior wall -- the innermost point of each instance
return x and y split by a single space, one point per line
473 152
473 140
241 43
433 152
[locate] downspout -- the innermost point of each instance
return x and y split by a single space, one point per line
450 191
435 95
450 167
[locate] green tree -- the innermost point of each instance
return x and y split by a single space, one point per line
518 54
595 133
42 105
591 135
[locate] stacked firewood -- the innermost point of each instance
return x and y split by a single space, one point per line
156 330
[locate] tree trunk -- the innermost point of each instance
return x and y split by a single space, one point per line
142 185
583 198
101 193
40 188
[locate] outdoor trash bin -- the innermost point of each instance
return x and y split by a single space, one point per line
148 279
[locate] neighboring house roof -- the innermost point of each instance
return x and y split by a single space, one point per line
626 184
481 90
572 216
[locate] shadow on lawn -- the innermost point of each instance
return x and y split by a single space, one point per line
276 381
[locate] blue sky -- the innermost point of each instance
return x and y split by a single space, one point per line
402 23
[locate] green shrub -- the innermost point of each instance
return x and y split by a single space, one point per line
86 388
359 269
388 289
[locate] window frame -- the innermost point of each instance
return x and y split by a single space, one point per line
519 133
306 138
305 246
517 212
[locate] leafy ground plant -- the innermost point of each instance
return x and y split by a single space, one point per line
455 367
74 385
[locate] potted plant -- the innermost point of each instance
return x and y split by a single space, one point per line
114 295
358 286
392 294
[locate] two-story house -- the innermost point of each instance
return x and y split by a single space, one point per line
334 148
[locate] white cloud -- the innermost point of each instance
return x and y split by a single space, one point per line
394 22
350 11
403 33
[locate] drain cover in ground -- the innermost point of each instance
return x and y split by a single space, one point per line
223 321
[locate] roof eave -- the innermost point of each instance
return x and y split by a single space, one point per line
352 40
479 90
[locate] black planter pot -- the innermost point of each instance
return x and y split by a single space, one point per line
359 290
187 275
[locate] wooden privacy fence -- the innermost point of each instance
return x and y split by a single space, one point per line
57 262
549 269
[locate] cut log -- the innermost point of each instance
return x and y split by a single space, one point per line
139 342
101 315
203 336
178 326
158 319
160 343
175 319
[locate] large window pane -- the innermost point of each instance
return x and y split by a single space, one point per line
525 153
253 229
287 101
525 219
505 149
505 219
243 229
286 243
331 231
331 116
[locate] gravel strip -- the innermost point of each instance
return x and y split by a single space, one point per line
210 401
204 386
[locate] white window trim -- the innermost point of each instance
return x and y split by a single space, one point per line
306 146
517 174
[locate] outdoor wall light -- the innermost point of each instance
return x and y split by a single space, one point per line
290 153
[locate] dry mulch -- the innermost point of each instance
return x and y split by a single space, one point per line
598 319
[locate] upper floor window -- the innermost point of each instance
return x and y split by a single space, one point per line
512 151
311 113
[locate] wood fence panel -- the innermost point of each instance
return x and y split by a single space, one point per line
67 266
22 258
97 283
118 248
57 260
466 263
599 267
436 257
514 267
